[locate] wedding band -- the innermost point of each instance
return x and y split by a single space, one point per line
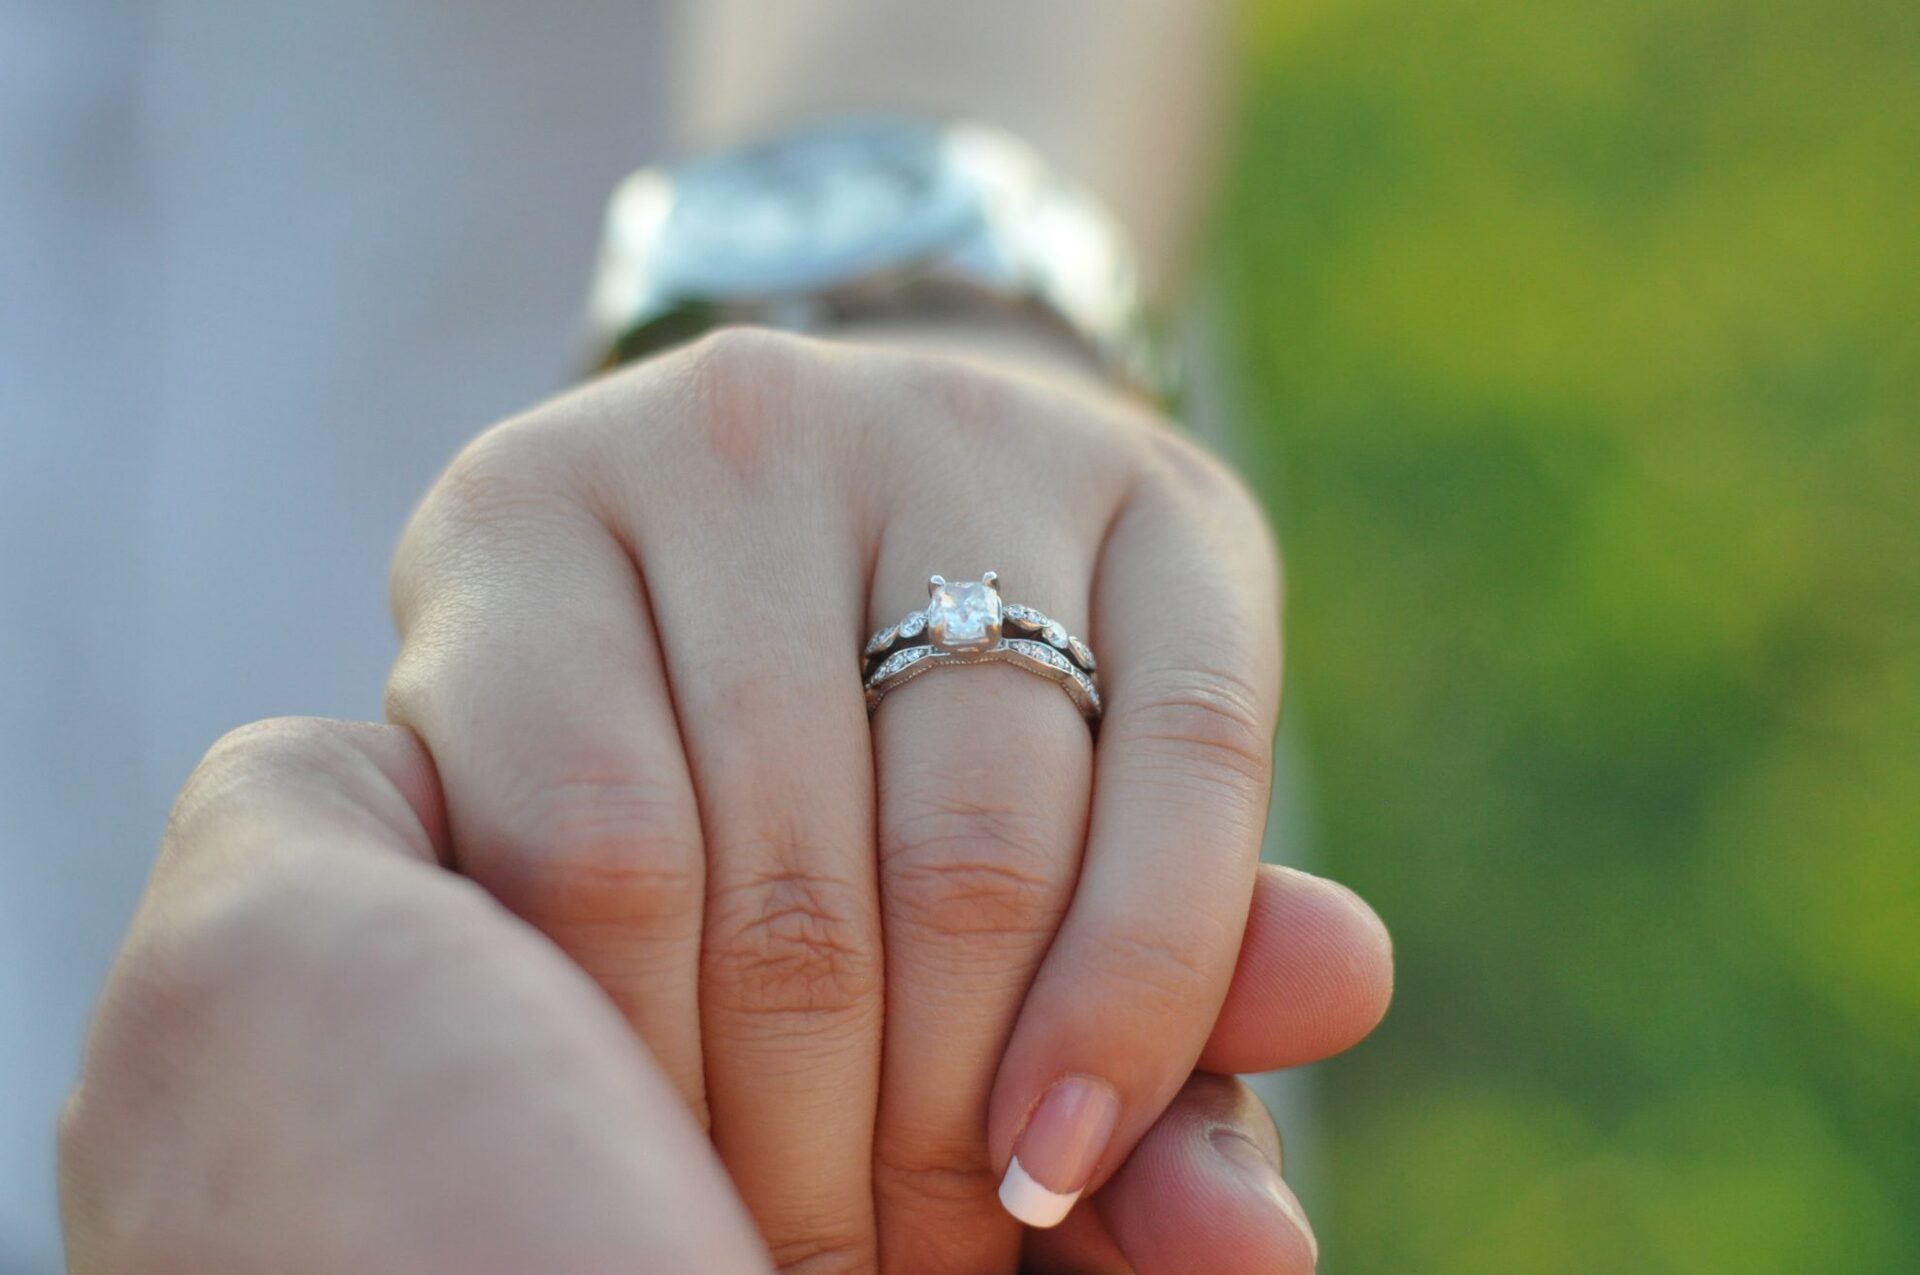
965 622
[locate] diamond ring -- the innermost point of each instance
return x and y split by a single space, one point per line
964 622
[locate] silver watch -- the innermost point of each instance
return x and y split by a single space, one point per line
865 218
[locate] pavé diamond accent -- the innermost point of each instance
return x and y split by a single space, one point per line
911 626
1036 651
899 660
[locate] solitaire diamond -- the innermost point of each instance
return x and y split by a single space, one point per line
964 615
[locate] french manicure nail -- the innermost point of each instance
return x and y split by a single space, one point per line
1055 1155
1258 1172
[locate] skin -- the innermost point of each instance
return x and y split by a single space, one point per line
381 1005
654 747
1066 75
320 1051
856 953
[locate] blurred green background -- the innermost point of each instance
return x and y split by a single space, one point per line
1583 342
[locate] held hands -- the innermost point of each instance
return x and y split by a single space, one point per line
879 963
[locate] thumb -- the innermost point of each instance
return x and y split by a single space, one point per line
1201 1195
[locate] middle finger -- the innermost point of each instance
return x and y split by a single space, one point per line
757 570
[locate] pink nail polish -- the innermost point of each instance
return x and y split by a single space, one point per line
1055 1155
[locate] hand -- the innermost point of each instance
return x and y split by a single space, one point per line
321 1052
630 621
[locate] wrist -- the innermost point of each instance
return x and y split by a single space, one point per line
1013 342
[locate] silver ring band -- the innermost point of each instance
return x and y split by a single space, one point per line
965 623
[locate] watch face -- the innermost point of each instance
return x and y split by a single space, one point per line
810 209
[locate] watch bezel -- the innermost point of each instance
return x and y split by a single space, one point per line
993 227
648 226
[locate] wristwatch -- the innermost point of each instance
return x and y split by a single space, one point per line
865 218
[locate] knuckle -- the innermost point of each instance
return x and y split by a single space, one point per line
504 482
974 399
305 753
1218 498
970 869
1165 968
957 1173
740 387
260 749
840 1252
986 415
1188 475
1208 724
410 695
788 941
599 850
499 475
1188 466
742 352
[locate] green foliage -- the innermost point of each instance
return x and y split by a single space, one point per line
1585 342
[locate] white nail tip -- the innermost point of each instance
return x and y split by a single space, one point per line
1032 1203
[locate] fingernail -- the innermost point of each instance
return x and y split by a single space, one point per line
1258 1172
1055 1155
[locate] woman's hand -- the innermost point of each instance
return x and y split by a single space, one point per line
321 1052
631 622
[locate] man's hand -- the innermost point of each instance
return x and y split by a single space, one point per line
631 622
322 1053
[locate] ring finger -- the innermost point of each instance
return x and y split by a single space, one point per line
983 778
